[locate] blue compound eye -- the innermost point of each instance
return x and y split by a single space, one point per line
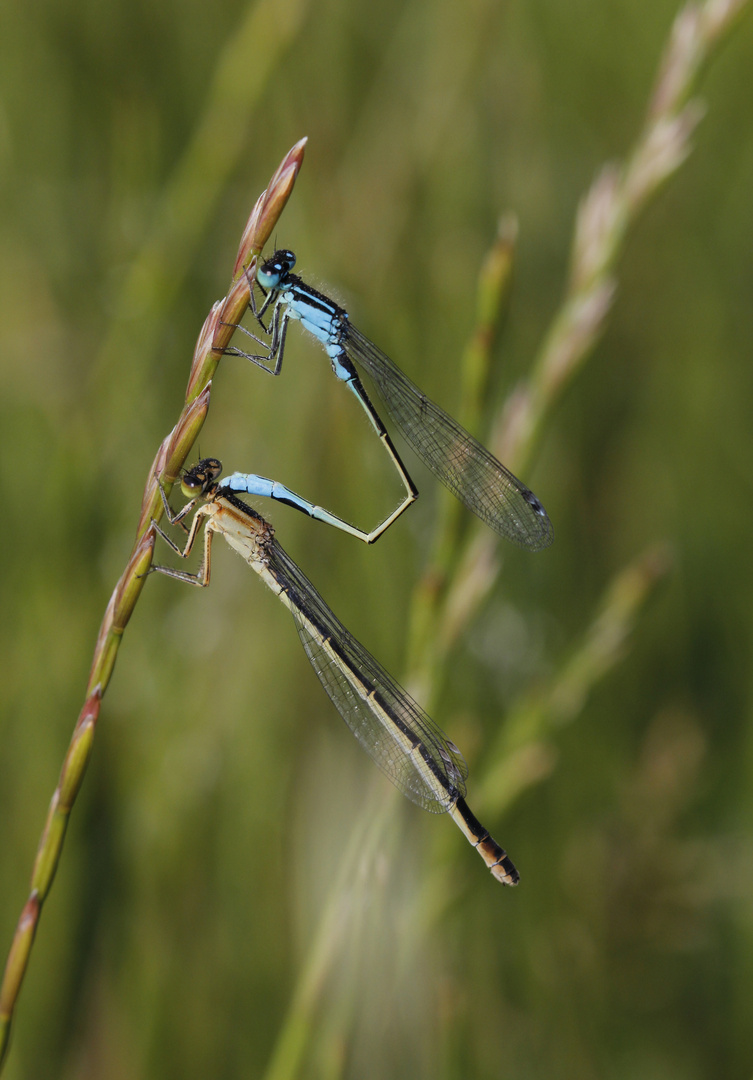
270 273
268 276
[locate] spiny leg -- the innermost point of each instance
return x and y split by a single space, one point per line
201 577
278 331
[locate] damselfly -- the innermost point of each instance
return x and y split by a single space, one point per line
467 468
401 738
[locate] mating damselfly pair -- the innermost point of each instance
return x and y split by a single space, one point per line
459 461
403 740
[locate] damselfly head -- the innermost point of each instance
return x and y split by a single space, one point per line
273 270
199 478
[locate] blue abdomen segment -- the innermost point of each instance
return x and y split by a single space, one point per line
251 484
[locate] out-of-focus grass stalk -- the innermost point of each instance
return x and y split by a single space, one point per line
458 581
348 894
521 755
250 58
604 218
524 752
492 296
170 457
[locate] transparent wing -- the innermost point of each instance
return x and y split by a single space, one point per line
402 739
466 467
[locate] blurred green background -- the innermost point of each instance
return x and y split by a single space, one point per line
203 923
